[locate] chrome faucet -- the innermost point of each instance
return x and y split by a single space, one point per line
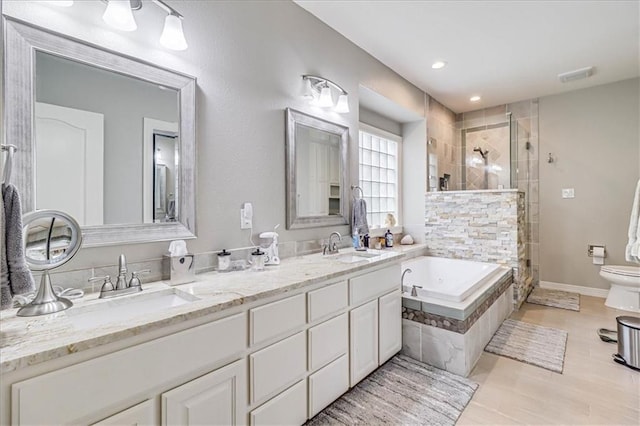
121 281
414 292
331 247
121 287
405 272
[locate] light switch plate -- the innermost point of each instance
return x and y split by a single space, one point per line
568 193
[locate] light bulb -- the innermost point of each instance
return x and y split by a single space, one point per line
326 100
172 35
118 14
343 104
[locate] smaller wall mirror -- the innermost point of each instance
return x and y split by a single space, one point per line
316 172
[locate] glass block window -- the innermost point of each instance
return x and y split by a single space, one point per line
379 175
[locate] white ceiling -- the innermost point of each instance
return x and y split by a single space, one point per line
505 51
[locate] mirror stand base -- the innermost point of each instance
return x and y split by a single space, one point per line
46 301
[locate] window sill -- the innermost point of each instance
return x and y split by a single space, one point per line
379 232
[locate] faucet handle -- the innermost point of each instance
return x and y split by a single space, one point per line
135 280
107 286
414 292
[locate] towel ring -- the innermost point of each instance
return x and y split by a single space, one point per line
6 171
356 187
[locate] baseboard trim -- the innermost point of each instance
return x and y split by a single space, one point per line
586 291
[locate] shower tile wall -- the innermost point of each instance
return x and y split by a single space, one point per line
524 136
443 149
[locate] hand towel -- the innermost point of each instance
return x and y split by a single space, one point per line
359 218
20 278
5 289
632 252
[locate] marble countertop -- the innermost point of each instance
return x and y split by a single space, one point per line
33 340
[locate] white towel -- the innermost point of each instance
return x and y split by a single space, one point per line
632 252
359 218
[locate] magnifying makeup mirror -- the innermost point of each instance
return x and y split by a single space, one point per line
51 239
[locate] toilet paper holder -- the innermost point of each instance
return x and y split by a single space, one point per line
591 247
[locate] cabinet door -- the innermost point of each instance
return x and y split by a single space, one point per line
139 415
390 311
364 341
217 398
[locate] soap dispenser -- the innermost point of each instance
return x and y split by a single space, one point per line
272 257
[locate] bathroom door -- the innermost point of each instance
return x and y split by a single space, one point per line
69 162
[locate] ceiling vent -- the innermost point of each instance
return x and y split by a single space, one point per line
579 74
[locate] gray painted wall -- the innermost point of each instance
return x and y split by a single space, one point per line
248 58
375 119
124 101
593 136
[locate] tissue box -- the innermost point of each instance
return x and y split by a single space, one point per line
179 269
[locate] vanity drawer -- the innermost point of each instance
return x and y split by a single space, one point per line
327 384
277 366
328 300
288 408
71 395
327 341
369 286
276 319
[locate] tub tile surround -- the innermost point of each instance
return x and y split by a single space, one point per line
483 225
454 351
451 319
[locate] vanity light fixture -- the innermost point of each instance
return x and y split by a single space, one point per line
318 90
119 14
438 65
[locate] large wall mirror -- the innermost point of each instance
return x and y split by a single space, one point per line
108 139
316 172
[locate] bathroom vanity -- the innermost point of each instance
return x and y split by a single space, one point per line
267 347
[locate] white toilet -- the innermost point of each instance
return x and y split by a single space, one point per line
625 287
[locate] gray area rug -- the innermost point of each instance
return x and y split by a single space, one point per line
401 392
533 344
555 298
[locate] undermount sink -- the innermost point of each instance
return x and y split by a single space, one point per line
357 256
127 307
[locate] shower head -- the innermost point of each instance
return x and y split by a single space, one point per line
481 152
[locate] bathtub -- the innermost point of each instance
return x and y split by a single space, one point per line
453 280
455 314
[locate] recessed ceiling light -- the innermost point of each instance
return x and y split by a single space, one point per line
475 98
438 65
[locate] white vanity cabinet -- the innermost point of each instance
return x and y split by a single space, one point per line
389 325
104 386
376 324
217 398
279 361
143 414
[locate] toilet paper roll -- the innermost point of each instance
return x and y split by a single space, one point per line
598 255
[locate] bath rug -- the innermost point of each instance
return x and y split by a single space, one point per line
401 392
555 299
536 345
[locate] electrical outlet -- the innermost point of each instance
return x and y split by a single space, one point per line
246 216
568 193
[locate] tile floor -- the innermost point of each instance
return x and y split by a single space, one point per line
592 389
